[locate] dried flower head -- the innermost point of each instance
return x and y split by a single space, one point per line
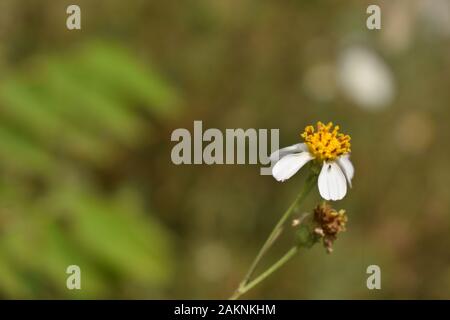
329 223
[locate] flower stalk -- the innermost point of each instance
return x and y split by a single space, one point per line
244 285
322 226
288 256
328 153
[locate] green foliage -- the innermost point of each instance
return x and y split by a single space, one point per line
59 123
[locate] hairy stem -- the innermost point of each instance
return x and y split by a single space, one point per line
309 183
292 252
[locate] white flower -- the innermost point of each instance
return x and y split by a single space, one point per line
327 147
365 78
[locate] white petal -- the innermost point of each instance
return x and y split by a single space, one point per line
332 182
366 78
347 167
277 155
289 165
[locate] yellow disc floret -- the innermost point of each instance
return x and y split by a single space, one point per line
326 143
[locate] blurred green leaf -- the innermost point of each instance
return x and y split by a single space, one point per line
125 240
21 154
68 116
129 77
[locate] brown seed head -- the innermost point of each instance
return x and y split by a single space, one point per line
330 222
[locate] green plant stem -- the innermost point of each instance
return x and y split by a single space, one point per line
292 252
309 183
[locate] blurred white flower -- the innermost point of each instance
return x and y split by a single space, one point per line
328 148
365 78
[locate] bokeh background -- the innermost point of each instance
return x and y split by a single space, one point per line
85 124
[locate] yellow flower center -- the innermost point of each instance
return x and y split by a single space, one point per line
326 143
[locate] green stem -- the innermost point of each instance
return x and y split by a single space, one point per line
266 273
309 183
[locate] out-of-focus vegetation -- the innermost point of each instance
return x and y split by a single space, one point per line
64 121
85 122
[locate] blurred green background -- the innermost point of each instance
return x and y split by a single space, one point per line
86 116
